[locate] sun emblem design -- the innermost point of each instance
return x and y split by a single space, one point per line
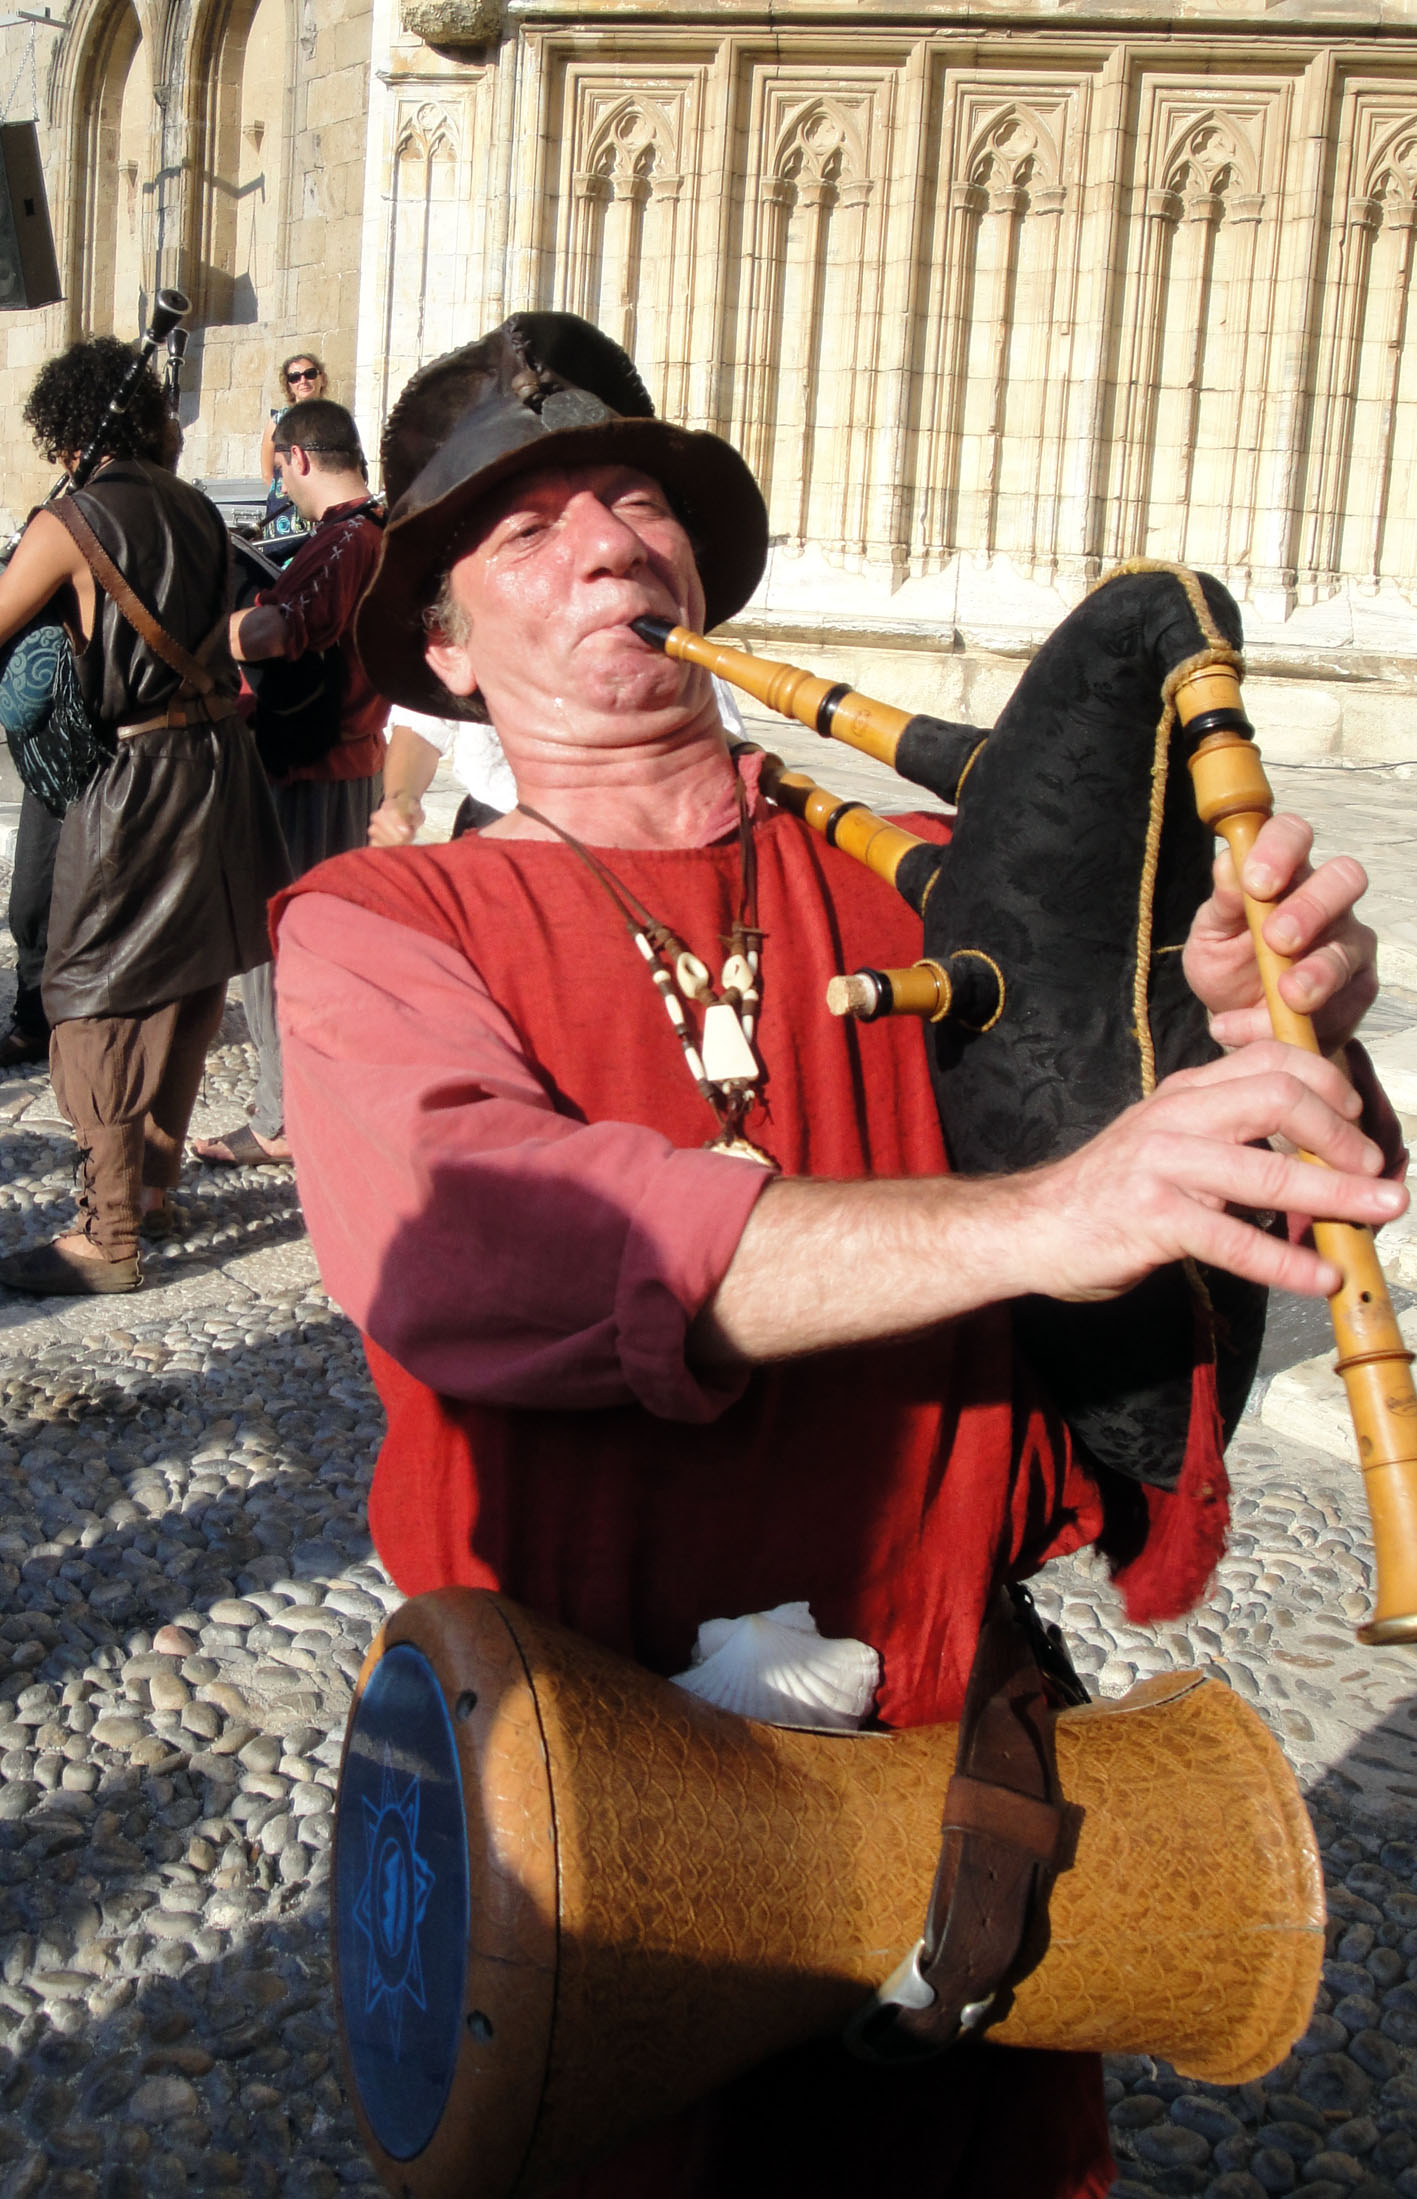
392 1900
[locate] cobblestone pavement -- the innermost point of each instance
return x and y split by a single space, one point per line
188 1589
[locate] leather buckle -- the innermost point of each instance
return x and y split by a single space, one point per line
1007 1831
874 2034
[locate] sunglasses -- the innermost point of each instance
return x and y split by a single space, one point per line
303 374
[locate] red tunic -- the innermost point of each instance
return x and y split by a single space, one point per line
887 1487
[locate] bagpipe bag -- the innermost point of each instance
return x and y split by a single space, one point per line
1076 865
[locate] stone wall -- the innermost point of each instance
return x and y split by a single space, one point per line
217 145
990 303
992 296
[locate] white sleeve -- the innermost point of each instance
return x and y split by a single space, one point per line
728 710
438 732
480 766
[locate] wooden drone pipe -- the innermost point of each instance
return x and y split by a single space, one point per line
847 825
1233 797
968 986
828 707
923 990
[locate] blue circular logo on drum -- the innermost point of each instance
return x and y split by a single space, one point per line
401 1901
393 1899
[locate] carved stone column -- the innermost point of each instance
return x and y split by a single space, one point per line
1332 436
761 351
624 238
590 194
1399 217
1135 443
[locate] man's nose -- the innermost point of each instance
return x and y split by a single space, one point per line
601 536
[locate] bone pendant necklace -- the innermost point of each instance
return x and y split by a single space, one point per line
722 1061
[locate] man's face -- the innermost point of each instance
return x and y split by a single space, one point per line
294 479
562 561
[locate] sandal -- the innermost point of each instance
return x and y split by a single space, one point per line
243 1150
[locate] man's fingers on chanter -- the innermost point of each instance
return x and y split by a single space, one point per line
1279 859
1224 1240
1226 902
1322 903
1256 1176
1329 971
1264 1057
1306 1120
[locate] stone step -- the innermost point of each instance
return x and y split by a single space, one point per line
1308 1402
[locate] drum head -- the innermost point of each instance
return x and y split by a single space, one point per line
444 1898
402 1901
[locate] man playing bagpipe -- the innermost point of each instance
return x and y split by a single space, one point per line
169 848
634 1376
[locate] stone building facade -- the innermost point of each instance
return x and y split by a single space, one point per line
993 294
214 145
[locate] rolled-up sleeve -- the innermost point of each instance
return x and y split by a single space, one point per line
497 1250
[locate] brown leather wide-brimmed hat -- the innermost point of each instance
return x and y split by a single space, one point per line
542 389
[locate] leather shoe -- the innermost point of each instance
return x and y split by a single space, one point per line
19 1047
48 1271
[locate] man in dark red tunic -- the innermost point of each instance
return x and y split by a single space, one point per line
323 802
637 1379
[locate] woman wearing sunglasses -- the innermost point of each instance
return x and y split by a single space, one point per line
301 376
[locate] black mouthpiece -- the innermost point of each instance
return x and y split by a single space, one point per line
656 631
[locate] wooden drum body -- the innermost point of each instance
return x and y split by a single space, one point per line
569 1898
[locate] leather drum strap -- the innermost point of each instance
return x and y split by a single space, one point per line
193 674
1007 1832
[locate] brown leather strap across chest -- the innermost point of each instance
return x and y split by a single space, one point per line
196 679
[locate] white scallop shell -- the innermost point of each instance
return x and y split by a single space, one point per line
776 1666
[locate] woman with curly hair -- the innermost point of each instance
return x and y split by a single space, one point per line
168 852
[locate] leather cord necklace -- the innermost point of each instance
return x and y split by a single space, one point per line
721 1061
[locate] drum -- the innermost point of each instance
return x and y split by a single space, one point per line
569 1898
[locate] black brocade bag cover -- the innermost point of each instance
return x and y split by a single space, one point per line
1047 874
56 745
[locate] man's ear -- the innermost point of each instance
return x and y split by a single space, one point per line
450 662
297 459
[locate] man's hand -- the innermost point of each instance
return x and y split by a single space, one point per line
397 821
1158 1184
822 1265
1311 920
258 633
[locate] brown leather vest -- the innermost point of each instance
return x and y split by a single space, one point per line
171 547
